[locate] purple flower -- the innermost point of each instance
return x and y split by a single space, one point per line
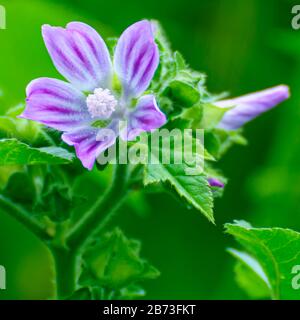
213 182
100 93
250 106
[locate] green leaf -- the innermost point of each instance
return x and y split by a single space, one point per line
194 189
250 276
185 177
14 152
114 262
274 252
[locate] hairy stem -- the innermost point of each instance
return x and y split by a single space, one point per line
24 217
98 216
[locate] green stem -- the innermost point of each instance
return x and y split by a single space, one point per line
24 217
65 268
98 216
66 251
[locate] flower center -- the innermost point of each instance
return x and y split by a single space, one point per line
101 104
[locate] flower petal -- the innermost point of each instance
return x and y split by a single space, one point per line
250 106
89 143
55 103
136 58
214 182
145 117
79 54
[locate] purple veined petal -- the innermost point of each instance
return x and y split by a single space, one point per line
56 104
89 142
79 54
213 182
248 107
136 58
145 117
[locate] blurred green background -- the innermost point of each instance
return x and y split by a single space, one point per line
243 46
